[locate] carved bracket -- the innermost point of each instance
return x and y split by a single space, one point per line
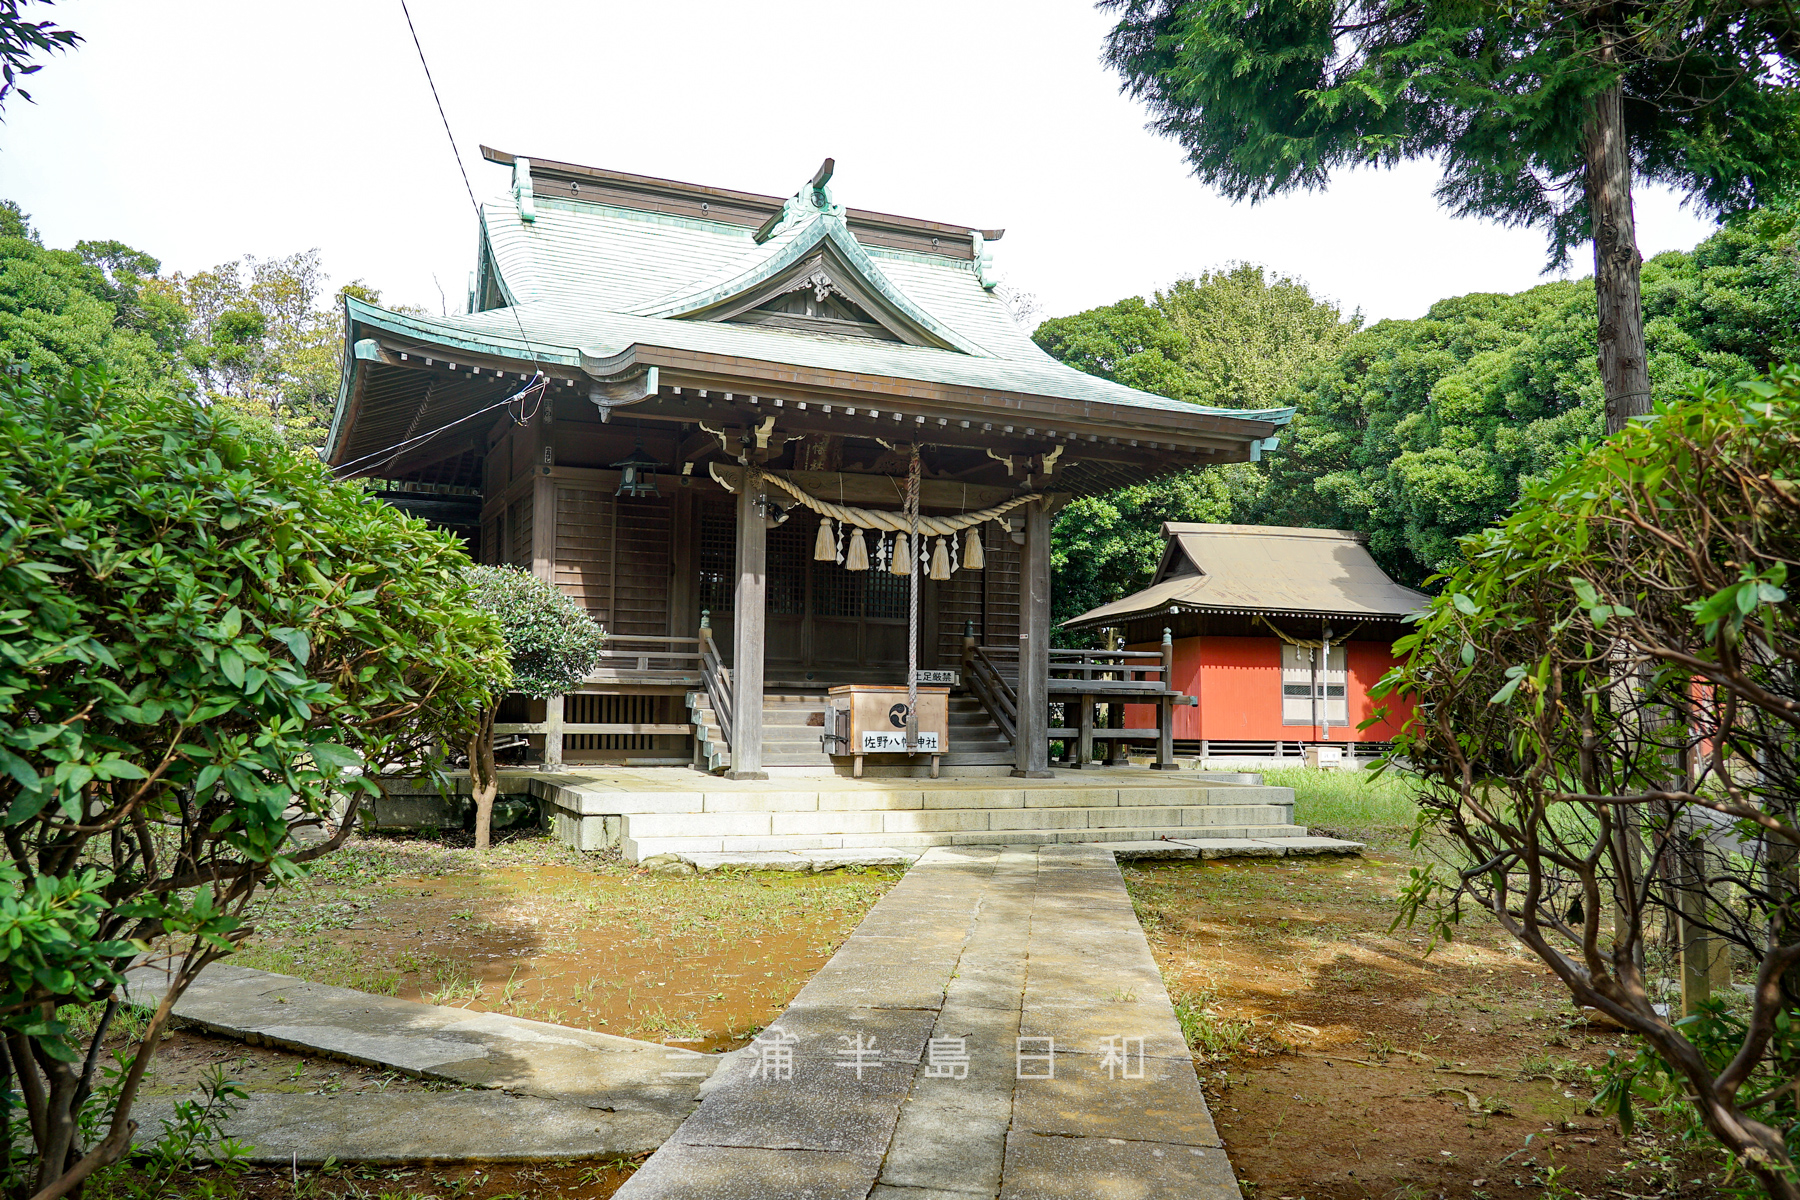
608 394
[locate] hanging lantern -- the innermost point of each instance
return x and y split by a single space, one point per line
637 474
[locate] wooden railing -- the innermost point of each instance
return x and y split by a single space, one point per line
717 678
1080 679
624 658
630 658
998 695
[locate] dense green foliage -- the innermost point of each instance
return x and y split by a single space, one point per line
1420 432
551 642
1423 431
264 344
1605 705
1271 96
263 337
1231 337
204 639
99 304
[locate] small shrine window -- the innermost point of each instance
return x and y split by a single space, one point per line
1306 676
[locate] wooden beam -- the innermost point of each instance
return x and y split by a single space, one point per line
1031 749
543 524
980 435
877 491
749 619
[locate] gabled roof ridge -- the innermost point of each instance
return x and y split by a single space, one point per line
1171 528
657 183
789 246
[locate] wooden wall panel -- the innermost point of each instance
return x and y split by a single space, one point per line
642 562
959 600
1000 581
584 549
518 523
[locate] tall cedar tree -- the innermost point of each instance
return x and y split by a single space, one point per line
1540 111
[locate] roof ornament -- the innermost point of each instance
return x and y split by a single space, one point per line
521 190
803 205
820 283
984 261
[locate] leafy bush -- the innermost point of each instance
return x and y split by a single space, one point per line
1607 723
204 641
551 643
552 646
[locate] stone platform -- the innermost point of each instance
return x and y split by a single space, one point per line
995 1028
549 1093
653 811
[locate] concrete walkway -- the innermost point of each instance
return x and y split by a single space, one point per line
996 1027
557 1093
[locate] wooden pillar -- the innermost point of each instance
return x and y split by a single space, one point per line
749 617
553 731
1084 745
1032 749
1165 706
684 600
543 565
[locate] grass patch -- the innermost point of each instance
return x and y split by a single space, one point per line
1209 1035
320 961
1356 804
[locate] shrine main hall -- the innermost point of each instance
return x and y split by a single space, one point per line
776 447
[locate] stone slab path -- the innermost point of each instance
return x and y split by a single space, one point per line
557 1093
419 1127
995 1027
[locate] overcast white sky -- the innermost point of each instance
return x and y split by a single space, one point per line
206 130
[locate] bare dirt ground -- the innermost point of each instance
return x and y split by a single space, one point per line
1342 1061
701 961
534 931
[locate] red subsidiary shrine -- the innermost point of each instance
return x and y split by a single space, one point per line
1279 633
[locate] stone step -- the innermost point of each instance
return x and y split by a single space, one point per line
632 1094
696 861
996 767
945 820
636 849
693 793
1212 847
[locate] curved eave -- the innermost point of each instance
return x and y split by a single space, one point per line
1100 619
1253 427
362 320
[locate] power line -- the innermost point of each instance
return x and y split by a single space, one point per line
539 382
468 188
395 451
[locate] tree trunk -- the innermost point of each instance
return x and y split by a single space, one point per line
484 777
1624 369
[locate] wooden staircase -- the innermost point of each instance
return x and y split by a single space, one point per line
793 725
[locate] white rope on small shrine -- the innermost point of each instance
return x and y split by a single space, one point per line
1308 643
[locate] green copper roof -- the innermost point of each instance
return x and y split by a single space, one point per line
594 279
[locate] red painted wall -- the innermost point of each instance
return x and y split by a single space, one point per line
1238 682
